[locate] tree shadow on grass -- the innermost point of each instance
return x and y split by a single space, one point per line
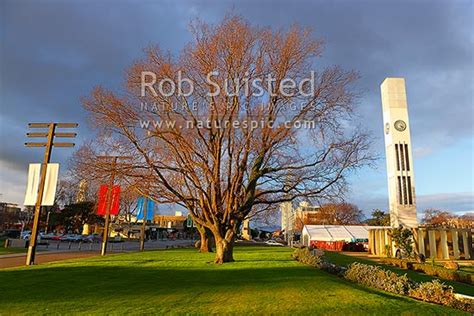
31 286
169 278
165 288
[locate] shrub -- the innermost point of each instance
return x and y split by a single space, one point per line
401 263
434 292
332 268
465 277
451 265
310 257
444 273
376 277
463 303
403 240
432 270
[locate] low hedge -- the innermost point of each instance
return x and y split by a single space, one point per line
376 277
430 269
401 263
310 257
444 273
379 278
433 292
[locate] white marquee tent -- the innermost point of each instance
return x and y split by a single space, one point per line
336 233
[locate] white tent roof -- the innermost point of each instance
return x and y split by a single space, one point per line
337 232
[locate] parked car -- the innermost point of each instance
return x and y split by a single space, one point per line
25 234
76 238
56 237
273 243
91 238
71 237
48 236
38 238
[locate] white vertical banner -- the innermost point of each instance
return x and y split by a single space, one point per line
51 181
32 184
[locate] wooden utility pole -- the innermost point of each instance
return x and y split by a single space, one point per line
30 258
145 215
108 203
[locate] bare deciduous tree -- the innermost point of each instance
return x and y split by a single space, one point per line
439 218
339 214
203 150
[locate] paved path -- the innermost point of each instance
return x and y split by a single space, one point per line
18 260
64 253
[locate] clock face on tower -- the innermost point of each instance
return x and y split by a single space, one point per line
400 125
387 128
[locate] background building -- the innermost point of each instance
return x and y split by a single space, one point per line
293 220
176 221
10 215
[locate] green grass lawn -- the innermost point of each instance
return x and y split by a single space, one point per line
468 269
264 280
341 259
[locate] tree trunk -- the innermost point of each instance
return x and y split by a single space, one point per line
224 250
205 242
205 236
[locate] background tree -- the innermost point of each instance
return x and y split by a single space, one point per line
74 216
440 218
466 220
379 218
128 203
339 214
205 239
26 217
436 218
403 240
203 151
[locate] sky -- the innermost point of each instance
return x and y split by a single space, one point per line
52 53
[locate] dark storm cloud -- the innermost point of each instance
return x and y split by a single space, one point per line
54 52
427 42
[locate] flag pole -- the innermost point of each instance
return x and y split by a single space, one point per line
30 257
108 203
145 217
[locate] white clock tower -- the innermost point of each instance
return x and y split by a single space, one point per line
401 184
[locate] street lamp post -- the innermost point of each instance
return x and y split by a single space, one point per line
49 144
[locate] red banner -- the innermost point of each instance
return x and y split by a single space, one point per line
115 203
101 206
114 206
